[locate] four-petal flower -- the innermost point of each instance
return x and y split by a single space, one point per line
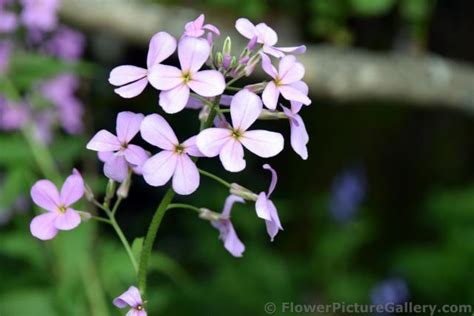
131 298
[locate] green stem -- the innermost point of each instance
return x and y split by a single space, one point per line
185 206
100 219
214 177
124 241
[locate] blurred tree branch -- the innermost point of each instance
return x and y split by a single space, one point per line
341 74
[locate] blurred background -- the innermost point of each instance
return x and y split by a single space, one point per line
382 211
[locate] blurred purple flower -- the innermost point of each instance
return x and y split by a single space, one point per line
40 14
13 115
5 52
8 20
392 290
43 125
347 193
66 43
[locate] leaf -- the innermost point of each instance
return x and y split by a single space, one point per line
372 7
137 247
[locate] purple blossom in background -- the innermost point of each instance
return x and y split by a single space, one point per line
390 291
60 91
173 161
347 193
40 15
131 298
125 155
59 215
66 43
229 143
176 84
227 232
197 28
13 115
266 209
5 52
285 81
43 125
133 80
265 35
8 20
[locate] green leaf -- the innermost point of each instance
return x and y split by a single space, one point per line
137 247
372 7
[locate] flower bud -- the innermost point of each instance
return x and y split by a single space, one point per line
244 193
271 115
252 43
219 59
85 216
88 193
124 187
256 87
209 215
253 62
227 48
226 62
110 191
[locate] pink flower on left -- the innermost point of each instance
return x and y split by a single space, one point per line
131 298
59 215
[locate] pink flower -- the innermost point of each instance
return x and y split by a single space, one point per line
266 209
299 135
290 72
131 298
197 28
177 83
228 143
133 80
125 155
265 35
227 232
8 20
59 216
173 160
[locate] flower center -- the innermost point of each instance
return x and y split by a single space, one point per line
139 307
186 76
62 208
179 149
278 81
236 134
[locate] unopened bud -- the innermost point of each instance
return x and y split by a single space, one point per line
204 114
253 62
227 47
226 62
244 193
88 193
252 43
219 59
209 215
256 87
85 216
271 115
124 188
109 192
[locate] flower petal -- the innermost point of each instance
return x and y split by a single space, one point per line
42 226
261 206
211 140
160 168
133 89
302 87
292 94
72 190
232 156
229 202
174 100
191 149
289 70
131 297
270 95
193 53
266 35
155 130
263 143
67 220
245 109
232 242
268 67
135 155
128 125
162 45
293 49
274 179
270 50
105 155
104 141
116 168
45 194
299 137
245 27
126 74
186 176
164 77
273 225
207 83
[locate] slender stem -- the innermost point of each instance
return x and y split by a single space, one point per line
229 84
117 203
185 206
233 88
124 241
214 177
101 219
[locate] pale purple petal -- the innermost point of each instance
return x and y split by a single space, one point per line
160 168
72 190
274 179
42 226
162 45
193 53
67 220
245 109
261 206
289 70
229 202
116 168
232 156
126 74
270 50
186 176
194 103
226 99
302 87
232 242
105 155
45 194
135 155
174 100
211 140
292 94
207 83
266 35
263 143
268 66
131 297
194 28
134 312
274 225
191 148
164 77
104 141
293 49
155 130
299 136
133 89
128 125
212 28
245 27
270 95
